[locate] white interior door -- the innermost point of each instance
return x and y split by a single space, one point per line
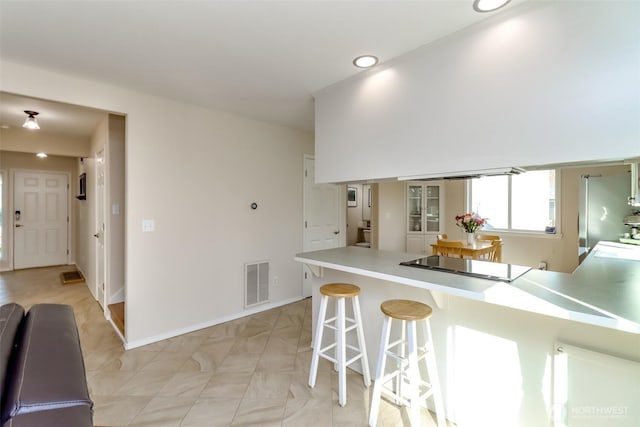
40 219
323 213
100 230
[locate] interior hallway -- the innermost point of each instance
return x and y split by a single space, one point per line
250 371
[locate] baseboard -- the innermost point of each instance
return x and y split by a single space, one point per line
115 328
129 345
87 281
117 297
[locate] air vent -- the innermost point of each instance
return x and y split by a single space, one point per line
256 283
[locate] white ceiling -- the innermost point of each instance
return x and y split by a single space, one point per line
54 117
262 59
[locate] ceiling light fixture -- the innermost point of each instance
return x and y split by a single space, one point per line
31 122
365 61
488 5
42 155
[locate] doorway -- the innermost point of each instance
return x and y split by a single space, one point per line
41 221
75 133
359 209
323 213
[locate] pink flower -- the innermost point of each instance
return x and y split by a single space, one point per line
471 222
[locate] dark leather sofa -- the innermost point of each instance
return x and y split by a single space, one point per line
42 372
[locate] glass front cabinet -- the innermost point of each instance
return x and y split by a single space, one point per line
425 209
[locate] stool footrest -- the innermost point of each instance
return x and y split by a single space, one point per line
322 353
394 394
353 359
330 323
403 400
398 399
403 360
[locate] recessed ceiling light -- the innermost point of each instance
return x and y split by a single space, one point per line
488 5
41 155
365 61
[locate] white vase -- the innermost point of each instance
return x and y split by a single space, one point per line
471 239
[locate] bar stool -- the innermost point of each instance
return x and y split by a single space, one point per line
408 382
338 323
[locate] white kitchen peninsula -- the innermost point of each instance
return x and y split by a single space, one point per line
497 343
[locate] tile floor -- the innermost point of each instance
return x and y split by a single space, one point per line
249 372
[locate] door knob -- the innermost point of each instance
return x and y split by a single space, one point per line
97 235
336 232
18 225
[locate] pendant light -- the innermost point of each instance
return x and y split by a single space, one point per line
31 122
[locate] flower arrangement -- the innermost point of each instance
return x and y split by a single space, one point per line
470 222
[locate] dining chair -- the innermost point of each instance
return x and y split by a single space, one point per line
450 248
497 254
488 237
496 241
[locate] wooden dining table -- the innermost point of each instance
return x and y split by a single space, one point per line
473 251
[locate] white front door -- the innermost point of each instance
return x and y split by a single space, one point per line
323 215
40 205
100 230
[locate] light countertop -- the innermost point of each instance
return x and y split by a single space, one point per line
603 291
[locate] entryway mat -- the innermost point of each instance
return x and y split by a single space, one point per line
70 277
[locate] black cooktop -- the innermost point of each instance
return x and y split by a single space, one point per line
470 267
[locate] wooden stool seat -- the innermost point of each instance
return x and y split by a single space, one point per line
403 309
340 290
339 351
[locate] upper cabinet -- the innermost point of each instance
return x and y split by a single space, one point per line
425 208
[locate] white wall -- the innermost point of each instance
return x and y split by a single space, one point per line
195 172
27 142
545 82
391 216
115 209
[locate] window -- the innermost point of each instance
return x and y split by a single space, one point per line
525 202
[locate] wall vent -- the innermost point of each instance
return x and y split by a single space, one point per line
256 283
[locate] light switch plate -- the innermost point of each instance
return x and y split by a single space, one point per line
148 225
